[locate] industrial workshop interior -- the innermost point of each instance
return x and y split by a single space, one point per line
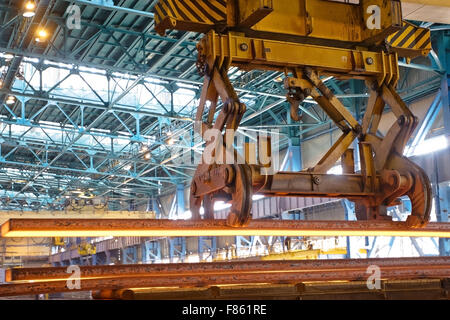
224 150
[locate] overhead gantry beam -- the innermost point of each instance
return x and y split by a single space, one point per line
437 11
188 228
114 8
88 212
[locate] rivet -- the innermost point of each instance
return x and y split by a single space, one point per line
316 180
243 46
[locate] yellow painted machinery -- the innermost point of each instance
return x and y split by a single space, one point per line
304 254
305 39
86 249
59 241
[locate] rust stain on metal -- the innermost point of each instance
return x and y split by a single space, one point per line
293 48
36 274
423 289
427 270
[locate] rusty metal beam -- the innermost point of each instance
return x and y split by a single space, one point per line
146 270
88 212
423 268
207 280
425 289
187 228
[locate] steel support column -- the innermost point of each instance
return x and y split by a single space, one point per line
177 248
444 59
443 207
350 215
108 257
293 160
181 205
156 209
152 251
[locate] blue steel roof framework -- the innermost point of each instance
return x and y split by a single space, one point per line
56 140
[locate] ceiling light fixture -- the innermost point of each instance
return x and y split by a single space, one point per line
8 56
41 35
10 100
29 9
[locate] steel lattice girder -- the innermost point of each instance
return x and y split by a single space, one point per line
128 34
28 121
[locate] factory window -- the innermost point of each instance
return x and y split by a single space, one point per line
336 170
428 146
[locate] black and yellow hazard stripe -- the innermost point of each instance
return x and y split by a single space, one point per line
411 38
207 12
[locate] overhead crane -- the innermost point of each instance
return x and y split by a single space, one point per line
305 39
306 42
